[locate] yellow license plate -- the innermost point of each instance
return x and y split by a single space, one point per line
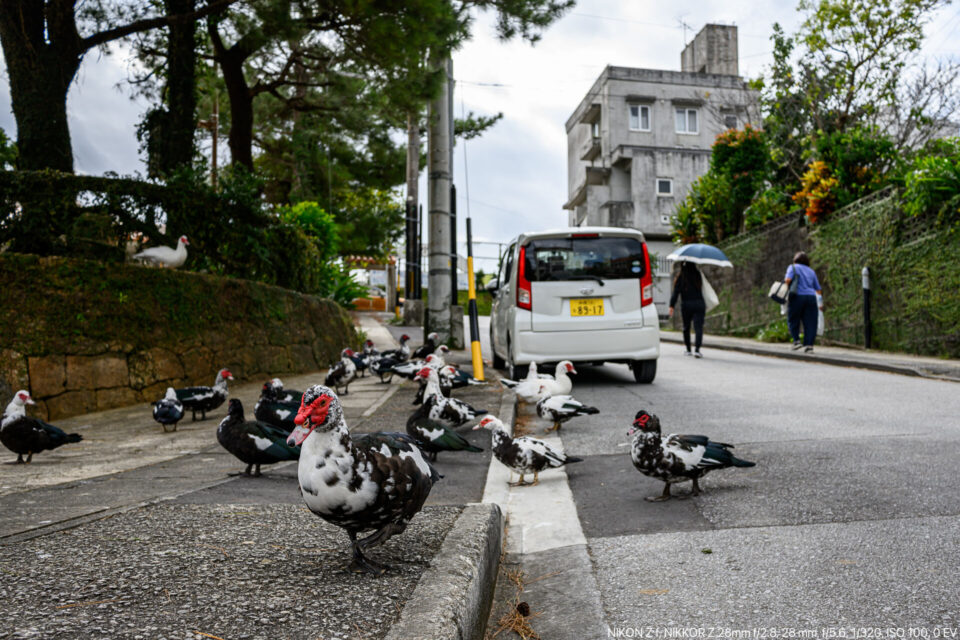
586 307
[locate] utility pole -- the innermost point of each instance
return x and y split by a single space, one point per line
413 305
440 180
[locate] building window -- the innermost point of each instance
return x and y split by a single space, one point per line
595 130
664 187
687 121
730 121
639 118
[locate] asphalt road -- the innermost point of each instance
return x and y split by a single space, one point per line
847 519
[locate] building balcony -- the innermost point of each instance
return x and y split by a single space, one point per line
591 150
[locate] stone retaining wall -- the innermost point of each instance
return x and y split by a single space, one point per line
84 336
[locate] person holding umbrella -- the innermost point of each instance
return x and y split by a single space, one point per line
803 304
689 287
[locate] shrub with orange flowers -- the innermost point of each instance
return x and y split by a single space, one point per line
817 194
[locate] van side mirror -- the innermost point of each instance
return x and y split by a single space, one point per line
493 286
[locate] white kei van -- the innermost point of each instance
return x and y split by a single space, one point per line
583 294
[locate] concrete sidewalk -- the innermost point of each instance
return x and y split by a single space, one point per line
900 363
157 541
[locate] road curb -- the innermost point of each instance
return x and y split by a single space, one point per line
453 598
819 358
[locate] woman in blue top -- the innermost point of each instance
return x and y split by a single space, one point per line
802 306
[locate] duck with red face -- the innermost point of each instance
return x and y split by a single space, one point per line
356 488
203 399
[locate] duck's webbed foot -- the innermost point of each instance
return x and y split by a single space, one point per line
662 497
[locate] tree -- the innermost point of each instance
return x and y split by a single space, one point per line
43 48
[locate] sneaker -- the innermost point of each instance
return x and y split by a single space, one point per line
796 345
808 350
697 355
687 353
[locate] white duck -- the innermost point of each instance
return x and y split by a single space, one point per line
532 390
165 256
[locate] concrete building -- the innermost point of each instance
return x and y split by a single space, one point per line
640 137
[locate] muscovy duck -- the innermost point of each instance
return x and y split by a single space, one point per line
342 373
360 362
449 411
676 458
273 411
435 361
445 387
524 454
165 256
205 399
356 488
543 387
540 385
559 409
383 365
531 376
168 410
457 378
274 390
368 354
254 443
432 435
429 346
26 436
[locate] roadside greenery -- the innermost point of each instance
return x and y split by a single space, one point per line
849 108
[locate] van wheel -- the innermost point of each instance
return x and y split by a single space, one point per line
518 371
644 371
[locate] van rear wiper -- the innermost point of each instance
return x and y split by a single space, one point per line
597 278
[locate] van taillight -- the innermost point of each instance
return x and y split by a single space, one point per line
524 291
646 281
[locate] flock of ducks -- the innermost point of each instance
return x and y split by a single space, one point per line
377 482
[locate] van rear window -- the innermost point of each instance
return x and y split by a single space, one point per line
584 258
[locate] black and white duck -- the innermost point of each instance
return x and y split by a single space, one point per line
429 346
168 410
435 361
357 488
457 378
342 373
254 443
25 435
452 412
523 455
676 458
560 409
432 435
273 389
274 411
203 399
383 364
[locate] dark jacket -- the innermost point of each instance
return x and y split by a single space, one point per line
687 286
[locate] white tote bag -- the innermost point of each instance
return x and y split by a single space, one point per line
709 295
819 315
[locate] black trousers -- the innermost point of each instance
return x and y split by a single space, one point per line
803 309
693 312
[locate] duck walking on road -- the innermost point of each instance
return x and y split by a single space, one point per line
342 373
560 409
26 436
252 442
168 410
356 488
203 399
524 454
676 458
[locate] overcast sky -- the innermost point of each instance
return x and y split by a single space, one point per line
517 171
